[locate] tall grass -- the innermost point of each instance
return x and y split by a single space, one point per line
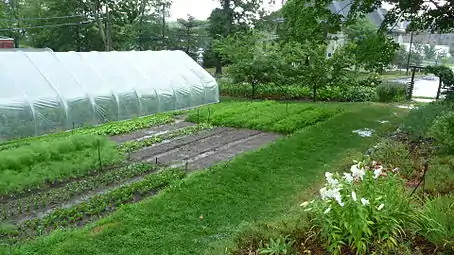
437 222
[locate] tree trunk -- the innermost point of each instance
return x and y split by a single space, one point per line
439 89
218 65
254 85
95 9
314 93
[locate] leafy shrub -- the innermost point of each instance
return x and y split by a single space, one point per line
436 222
443 132
419 121
364 210
295 92
391 92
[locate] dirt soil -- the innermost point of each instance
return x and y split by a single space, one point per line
205 148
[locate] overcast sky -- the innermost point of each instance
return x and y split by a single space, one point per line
200 9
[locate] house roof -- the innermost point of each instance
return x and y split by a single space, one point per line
343 7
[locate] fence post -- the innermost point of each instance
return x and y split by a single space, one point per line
99 155
411 85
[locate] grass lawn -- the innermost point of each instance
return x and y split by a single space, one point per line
209 207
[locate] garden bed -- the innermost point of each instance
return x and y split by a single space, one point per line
87 196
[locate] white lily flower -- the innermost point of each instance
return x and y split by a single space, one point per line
354 196
348 177
323 193
364 201
334 183
357 173
381 207
327 210
304 204
328 175
378 172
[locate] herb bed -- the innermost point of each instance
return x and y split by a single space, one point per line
49 199
94 208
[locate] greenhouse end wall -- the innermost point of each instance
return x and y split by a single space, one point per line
47 92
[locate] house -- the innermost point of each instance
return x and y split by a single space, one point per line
6 42
376 17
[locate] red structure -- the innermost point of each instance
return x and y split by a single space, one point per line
6 42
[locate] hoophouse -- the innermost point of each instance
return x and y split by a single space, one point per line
43 92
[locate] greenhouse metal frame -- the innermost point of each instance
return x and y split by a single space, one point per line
46 92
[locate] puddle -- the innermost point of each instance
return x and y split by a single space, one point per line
365 132
407 107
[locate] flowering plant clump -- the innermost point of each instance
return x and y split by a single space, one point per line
363 209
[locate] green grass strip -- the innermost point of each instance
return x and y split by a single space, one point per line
255 186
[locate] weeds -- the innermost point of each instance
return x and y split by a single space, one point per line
436 222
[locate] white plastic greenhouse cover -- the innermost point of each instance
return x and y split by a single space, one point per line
45 92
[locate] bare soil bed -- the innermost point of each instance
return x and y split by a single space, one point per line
205 148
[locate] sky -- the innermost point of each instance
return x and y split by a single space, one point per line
200 9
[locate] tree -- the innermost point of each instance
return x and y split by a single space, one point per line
256 60
401 57
430 52
446 76
84 25
310 21
374 50
424 14
233 16
252 60
190 35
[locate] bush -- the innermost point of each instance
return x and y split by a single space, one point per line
436 222
391 92
419 121
363 211
296 92
443 132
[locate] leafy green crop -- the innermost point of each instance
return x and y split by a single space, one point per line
43 163
101 204
112 128
270 116
46 198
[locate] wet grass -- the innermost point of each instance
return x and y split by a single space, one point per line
211 206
